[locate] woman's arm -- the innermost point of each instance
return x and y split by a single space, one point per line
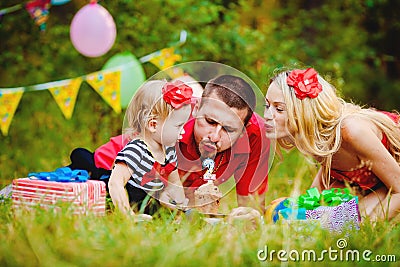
364 140
120 175
318 181
388 208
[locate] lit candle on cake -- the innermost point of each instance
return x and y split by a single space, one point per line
207 195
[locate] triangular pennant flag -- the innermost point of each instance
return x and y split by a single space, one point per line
108 86
9 100
65 95
175 72
165 58
39 11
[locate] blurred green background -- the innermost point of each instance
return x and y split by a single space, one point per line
353 43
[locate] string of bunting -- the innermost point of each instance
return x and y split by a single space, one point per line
37 9
107 83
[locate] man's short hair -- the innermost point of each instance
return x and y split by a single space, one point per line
234 91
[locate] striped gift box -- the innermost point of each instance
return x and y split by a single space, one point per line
81 198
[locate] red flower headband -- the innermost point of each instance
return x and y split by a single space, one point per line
177 94
305 83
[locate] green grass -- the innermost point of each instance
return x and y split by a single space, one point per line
45 238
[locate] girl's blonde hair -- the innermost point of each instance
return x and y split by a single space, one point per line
148 103
316 122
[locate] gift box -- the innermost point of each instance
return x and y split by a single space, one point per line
334 209
79 197
337 218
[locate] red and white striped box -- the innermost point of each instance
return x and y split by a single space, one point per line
82 198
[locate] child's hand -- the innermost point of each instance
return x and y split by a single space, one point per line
176 193
173 198
143 218
173 195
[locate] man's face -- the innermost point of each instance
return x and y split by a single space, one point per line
217 126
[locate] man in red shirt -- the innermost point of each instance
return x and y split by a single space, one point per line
225 129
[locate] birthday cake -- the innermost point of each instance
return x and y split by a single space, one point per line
207 198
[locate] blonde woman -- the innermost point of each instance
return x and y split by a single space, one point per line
355 146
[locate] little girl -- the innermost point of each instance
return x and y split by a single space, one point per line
147 164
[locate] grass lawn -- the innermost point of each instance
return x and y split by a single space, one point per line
45 238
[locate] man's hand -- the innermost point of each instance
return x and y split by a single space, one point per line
255 201
250 217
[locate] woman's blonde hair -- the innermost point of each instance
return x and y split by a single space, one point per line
148 103
315 123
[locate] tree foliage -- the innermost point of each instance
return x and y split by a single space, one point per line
352 42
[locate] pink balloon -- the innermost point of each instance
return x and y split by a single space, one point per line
93 30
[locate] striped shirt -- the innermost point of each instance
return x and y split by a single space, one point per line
140 160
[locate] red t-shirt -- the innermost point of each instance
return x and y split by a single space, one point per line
104 156
246 160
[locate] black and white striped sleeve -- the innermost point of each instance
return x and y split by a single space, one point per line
135 155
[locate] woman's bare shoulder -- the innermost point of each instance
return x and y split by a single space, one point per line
357 129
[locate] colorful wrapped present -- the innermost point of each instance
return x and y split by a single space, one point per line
335 209
336 218
80 197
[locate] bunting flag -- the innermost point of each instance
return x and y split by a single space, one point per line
175 72
9 100
107 85
65 95
165 58
39 11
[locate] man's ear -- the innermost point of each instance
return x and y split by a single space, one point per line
196 108
243 132
244 129
152 125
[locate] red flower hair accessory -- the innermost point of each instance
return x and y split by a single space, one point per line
177 94
305 83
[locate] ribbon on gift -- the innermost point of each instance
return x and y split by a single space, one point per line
313 199
290 213
63 174
300 208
